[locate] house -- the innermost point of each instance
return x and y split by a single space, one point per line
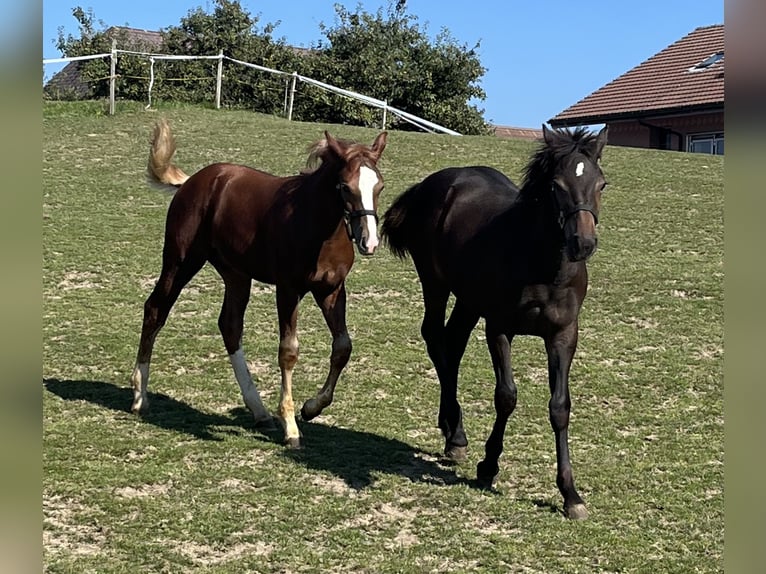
68 83
517 133
674 100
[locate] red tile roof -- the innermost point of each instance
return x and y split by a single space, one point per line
662 83
518 133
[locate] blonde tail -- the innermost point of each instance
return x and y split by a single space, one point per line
161 169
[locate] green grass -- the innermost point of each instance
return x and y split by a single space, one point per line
193 486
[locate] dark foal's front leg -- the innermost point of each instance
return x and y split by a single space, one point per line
505 402
561 348
333 308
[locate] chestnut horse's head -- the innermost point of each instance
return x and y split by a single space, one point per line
359 184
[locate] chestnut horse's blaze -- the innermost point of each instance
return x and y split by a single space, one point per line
515 257
296 233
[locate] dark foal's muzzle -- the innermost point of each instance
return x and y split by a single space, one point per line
579 247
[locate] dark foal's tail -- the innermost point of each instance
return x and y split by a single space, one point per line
398 221
161 170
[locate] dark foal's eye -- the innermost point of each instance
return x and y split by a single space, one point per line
603 186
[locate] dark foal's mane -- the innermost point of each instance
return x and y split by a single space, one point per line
539 170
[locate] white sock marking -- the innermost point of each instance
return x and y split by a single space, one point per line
249 393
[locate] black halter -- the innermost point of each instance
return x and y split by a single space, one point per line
564 217
348 216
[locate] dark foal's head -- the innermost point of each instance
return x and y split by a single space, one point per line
567 167
358 182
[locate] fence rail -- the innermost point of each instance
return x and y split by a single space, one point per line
293 78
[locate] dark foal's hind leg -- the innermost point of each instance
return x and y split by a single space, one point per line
231 324
459 326
333 308
561 349
445 351
505 402
176 273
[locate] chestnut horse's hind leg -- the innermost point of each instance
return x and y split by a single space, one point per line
231 324
561 348
333 308
173 278
505 403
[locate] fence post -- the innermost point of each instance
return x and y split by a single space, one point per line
292 97
385 109
112 79
218 78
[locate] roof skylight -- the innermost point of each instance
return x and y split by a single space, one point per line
707 62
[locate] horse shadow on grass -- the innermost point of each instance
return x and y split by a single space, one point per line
355 457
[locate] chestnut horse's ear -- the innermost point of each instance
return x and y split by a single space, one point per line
379 144
334 145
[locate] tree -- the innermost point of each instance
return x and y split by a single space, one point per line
231 29
384 55
390 58
132 71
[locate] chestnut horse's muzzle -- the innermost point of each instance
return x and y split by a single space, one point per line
358 237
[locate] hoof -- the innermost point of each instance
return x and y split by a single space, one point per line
265 424
456 454
138 407
293 443
310 409
576 512
485 477
485 483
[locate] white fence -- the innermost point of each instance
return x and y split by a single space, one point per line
293 78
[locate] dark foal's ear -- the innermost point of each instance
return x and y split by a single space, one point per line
601 141
550 136
379 144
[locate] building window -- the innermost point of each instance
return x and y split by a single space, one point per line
705 143
707 62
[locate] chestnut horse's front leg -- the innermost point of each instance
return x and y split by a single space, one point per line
333 308
287 311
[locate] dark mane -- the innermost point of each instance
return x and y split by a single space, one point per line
564 142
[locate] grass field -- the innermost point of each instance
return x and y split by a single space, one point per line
193 486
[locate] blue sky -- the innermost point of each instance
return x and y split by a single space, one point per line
541 56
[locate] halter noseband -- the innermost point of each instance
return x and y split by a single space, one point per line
348 216
564 217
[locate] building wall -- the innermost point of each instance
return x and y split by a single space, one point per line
667 132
